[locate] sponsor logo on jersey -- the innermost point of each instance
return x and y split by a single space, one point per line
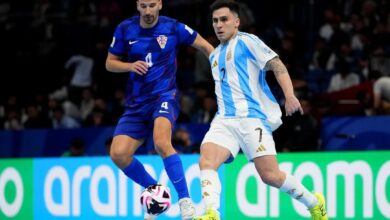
215 64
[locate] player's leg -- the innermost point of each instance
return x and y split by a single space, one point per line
162 134
218 146
122 150
259 146
212 156
129 134
268 169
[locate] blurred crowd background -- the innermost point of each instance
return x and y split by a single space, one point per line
52 56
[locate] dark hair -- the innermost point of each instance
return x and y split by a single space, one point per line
232 5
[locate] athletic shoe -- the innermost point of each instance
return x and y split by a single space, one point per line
318 212
187 209
210 215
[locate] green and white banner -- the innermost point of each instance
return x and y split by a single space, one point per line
16 195
355 184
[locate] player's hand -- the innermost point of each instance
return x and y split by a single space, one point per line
139 67
292 105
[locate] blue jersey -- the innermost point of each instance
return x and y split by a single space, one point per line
157 46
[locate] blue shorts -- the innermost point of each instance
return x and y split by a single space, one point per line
137 122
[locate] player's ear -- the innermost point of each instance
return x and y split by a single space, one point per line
237 23
160 5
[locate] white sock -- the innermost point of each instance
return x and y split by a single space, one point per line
211 189
296 190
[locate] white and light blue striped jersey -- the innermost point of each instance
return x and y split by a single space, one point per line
240 85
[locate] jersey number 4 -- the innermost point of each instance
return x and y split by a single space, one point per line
148 59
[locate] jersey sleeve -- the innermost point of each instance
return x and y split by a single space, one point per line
186 34
117 46
259 49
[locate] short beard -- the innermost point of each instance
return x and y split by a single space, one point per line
149 19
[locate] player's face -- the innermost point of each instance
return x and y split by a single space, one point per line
225 24
149 11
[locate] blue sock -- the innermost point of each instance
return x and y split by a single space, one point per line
136 171
174 169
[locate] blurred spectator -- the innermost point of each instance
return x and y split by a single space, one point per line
61 120
380 62
100 115
343 53
207 112
96 118
182 141
344 78
12 114
369 14
201 90
363 68
76 148
326 30
60 94
320 55
71 109
359 34
35 118
81 66
186 105
382 95
87 103
12 119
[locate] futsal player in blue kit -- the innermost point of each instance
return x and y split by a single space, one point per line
146 46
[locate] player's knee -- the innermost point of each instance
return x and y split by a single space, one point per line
119 158
272 179
161 144
207 163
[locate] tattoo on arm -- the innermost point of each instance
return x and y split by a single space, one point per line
276 66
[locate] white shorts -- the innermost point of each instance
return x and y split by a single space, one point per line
248 134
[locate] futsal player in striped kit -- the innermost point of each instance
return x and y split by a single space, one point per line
247 113
145 47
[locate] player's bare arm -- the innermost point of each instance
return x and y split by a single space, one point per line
280 71
203 45
115 64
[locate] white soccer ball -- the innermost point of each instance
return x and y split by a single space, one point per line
156 199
